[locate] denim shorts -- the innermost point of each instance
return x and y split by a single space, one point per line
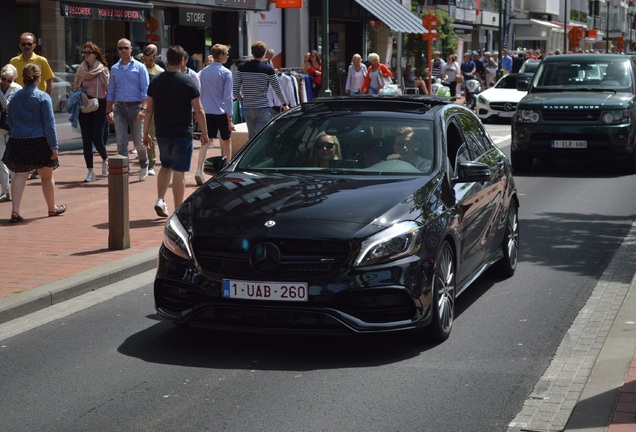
175 153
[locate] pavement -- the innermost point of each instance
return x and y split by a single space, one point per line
590 385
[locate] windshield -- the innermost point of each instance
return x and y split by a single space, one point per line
369 142
601 75
508 82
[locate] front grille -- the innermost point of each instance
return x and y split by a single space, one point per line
571 115
300 259
501 106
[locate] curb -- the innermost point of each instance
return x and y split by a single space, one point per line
35 299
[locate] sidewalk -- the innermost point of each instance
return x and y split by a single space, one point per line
52 259
49 260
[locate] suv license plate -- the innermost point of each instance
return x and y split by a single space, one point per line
569 144
276 291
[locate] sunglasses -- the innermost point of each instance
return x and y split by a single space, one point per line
87 52
123 48
325 145
6 80
26 44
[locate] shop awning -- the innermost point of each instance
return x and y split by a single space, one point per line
394 15
118 10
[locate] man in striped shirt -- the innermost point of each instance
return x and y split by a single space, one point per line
252 80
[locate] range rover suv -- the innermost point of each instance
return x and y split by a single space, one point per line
578 105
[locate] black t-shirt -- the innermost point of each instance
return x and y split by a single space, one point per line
172 94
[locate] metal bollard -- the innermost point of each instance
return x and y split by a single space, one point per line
118 212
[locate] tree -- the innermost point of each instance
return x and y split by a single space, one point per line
446 44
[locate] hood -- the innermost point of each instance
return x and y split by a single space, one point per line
300 205
577 100
502 95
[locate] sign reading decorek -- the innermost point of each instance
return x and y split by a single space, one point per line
195 17
77 10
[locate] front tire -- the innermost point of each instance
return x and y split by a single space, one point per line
510 246
443 294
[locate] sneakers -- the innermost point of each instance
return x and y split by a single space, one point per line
151 171
133 151
198 177
105 168
5 197
90 177
34 175
161 208
143 174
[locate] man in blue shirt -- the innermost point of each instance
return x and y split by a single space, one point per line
126 103
216 98
506 61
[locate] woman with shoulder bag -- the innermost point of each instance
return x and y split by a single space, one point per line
453 74
93 76
377 75
8 87
314 71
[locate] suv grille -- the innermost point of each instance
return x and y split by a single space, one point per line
571 115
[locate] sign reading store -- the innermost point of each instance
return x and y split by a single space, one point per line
195 17
104 11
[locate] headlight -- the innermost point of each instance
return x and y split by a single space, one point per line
176 239
528 116
396 242
615 116
482 100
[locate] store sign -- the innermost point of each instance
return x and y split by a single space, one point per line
195 17
244 4
88 11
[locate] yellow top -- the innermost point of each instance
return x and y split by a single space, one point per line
19 62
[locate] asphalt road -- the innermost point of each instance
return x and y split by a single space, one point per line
102 362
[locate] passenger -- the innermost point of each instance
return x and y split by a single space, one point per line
406 148
326 149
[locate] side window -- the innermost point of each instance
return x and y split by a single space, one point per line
473 137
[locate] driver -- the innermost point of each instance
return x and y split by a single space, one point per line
405 148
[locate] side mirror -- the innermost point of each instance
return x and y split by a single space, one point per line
469 171
523 85
214 164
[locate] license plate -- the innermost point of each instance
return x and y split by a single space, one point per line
569 144
276 291
506 114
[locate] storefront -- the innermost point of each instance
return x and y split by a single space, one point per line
61 28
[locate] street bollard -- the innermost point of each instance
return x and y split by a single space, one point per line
118 212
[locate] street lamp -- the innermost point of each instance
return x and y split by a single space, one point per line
631 11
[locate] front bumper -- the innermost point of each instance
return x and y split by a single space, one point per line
376 300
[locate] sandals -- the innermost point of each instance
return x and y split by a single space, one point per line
15 217
58 210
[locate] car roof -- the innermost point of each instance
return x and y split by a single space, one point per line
585 57
415 103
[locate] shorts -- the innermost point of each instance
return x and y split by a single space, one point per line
218 123
175 153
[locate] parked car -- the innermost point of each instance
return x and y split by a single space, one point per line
348 214
578 105
530 66
61 92
500 101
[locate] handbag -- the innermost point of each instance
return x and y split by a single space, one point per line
459 79
386 80
92 105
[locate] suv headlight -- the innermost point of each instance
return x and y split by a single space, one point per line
527 116
482 100
396 242
615 116
176 239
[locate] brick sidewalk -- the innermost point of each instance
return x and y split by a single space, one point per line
43 250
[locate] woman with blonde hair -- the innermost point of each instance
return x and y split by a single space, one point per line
93 76
33 142
326 148
376 74
314 71
355 75
8 87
